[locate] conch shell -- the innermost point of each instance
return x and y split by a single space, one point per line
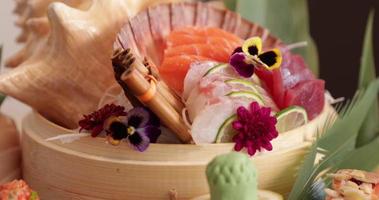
71 68
34 25
146 32
32 19
10 152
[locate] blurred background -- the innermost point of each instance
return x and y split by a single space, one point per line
336 26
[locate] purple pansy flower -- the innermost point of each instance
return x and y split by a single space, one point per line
139 126
243 68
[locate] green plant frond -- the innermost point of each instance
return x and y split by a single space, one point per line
370 128
231 4
335 144
367 70
363 158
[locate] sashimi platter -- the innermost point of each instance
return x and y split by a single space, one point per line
133 99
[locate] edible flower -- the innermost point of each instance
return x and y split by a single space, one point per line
94 122
139 128
255 129
244 59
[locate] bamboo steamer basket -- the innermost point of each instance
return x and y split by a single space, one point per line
91 169
10 152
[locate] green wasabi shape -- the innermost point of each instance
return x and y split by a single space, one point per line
232 176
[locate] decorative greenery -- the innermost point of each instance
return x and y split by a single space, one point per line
337 148
287 19
370 128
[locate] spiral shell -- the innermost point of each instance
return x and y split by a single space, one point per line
66 67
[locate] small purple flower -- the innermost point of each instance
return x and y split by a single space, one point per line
238 62
143 128
255 129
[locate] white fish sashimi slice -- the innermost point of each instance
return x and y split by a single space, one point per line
205 94
194 75
206 124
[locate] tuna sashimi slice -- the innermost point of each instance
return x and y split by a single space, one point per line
309 95
295 71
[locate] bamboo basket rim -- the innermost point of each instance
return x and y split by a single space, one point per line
35 118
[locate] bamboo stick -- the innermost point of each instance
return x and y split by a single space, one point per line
120 61
138 85
166 91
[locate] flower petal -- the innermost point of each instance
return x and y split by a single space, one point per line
237 61
139 141
152 132
140 117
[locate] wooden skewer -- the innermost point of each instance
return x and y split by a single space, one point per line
169 116
167 92
147 68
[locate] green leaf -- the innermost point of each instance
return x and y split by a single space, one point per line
231 4
287 19
370 128
336 144
363 158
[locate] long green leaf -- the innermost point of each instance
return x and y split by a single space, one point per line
370 128
231 4
287 19
336 144
364 158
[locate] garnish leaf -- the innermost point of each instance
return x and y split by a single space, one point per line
363 158
287 19
336 144
370 128
231 4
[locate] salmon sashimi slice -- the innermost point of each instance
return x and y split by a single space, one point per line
174 69
190 44
205 50
175 40
206 32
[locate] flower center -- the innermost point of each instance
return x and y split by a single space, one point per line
131 130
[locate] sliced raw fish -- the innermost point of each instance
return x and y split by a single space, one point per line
194 75
206 124
190 44
309 95
294 84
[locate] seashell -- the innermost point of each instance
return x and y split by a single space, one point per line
34 25
10 151
71 68
146 32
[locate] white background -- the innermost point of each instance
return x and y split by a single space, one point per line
8 34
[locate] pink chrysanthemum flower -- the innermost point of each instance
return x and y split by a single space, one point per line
255 129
